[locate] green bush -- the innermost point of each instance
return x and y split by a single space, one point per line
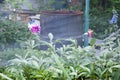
11 31
101 14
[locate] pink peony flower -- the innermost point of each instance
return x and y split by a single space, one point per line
35 29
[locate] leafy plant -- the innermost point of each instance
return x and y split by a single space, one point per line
12 32
13 4
100 14
69 62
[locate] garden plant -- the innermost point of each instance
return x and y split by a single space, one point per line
28 61
70 62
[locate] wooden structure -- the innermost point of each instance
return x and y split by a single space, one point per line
23 15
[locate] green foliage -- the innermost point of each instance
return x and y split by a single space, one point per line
16 4
10 54
12 31
100 15
45 5
70 62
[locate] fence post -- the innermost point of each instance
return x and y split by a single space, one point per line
86 22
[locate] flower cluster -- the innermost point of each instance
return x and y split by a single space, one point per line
34 27
114 18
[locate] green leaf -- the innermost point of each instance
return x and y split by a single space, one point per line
4 76
93 41
104 72
110 70
116 66
85 69
73 74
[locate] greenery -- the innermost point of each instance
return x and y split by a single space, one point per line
101 14
58 5
13 4
13 31
70 62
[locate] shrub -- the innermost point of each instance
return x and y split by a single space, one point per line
11 32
